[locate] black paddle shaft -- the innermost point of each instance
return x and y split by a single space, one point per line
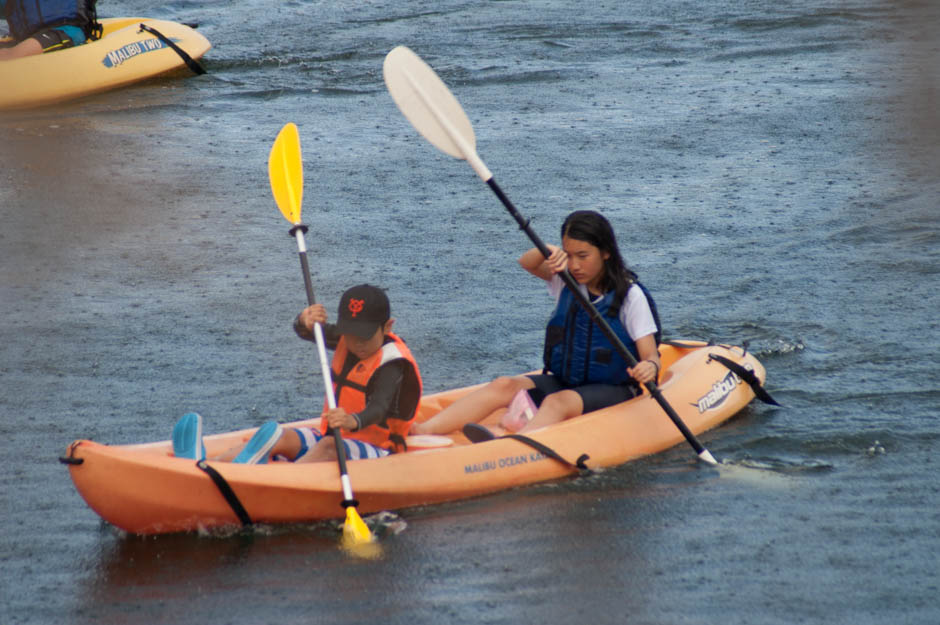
596 317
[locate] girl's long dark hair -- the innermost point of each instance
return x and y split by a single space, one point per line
592 227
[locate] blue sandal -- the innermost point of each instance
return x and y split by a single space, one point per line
187 437
257 449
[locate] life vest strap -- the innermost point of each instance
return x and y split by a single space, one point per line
399 443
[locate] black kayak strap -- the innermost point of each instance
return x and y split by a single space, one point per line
547 451
190 62
748 376
227 492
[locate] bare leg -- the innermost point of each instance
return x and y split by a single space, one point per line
27 47
556 408
475 406
324 450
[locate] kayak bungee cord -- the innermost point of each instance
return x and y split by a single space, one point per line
191 63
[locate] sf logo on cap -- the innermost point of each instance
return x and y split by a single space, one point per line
355 306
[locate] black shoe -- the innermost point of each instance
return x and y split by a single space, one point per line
477 433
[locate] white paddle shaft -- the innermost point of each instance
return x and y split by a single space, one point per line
318 334
324 365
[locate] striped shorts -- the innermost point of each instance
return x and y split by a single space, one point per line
355 450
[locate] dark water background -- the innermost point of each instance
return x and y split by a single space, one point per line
772 171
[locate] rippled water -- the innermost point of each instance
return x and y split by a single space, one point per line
771 169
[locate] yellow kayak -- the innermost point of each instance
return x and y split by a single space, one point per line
124 54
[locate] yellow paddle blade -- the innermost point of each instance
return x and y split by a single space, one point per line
357 539
285 169
355 529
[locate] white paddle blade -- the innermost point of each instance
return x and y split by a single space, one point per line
428 104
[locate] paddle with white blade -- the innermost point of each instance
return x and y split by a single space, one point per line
433 110
285 169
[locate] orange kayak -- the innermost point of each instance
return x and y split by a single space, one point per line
144 489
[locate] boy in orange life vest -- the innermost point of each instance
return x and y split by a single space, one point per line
376 382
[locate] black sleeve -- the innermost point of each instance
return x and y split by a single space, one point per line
330 335
382 402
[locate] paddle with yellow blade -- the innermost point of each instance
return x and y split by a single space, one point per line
433 110
285 169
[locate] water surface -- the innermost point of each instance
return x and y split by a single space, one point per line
771 170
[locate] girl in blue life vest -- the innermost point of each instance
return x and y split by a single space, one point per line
583 372
38 26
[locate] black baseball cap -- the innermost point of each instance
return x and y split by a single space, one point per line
363 309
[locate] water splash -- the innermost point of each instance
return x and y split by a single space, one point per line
362 550
770 472
781 466
381 525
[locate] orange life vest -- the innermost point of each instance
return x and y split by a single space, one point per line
352 388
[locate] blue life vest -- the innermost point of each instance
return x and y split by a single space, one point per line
26 17
578 351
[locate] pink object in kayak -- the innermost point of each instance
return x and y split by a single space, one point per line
520 412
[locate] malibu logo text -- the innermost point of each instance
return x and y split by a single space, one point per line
136 48
719 392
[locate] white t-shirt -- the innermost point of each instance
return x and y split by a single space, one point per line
635 314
